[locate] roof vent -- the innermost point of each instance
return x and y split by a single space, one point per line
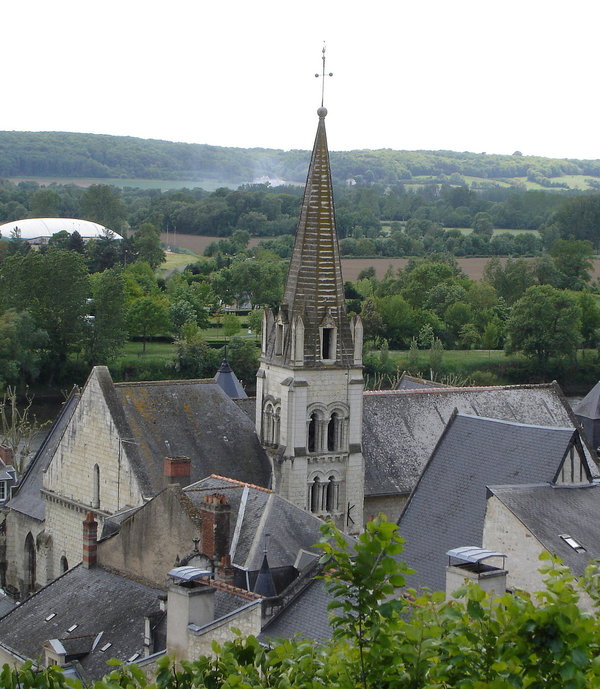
570 541
472 568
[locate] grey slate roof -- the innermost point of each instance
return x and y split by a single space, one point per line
408 382
228 381
290 529
548 511
589 406
447 508
192 418
94 599
28 500
402 427
306 615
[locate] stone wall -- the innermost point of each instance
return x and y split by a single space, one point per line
151 539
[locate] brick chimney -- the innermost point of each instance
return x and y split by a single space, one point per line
90 541
6 455
215 513
177 470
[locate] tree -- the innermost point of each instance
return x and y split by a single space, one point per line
44 204
17 428
147 243
148 317
255 320
53 287
21 347
545 322
243 359
104 205
231 325
194 357
573 258
510 280
483 225
106 333
590 318
579 218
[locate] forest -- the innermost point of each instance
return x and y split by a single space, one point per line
64 154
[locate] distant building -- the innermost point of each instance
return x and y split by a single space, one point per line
37 231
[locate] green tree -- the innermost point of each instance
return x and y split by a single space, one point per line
573 258
21 348
545 322
255 320
483 225
231 325
148 317
590 318
146 241
510 280
44 204
106 333
194 357
243 358
104 205
53 286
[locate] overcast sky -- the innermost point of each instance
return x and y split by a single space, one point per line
463 75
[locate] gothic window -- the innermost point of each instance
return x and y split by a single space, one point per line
96 487
64 565
328 343
30 574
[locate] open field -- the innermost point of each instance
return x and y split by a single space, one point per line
497 231
198 243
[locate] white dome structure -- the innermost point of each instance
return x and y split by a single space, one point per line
39 230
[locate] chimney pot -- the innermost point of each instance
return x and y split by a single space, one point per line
177 470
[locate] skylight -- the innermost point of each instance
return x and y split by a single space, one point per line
72 628
570 541
106 646
50 616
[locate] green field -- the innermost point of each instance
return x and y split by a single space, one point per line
163 184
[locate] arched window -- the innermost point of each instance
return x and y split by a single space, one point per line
315 495
267 427
30 573
276 425
332 495
312 432
333 434
96 486
64 565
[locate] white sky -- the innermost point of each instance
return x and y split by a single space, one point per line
476 75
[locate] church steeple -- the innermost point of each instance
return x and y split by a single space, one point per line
309 385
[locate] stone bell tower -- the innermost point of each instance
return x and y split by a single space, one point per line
310 384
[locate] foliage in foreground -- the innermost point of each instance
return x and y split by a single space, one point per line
411 642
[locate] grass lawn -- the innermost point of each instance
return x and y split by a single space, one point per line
154 350
400 357
176 261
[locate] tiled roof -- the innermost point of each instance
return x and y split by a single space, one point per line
256 512
401 428
548 511
192 418
95 600
447 508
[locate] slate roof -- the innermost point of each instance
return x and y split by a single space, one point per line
261 512
549 511
402 427
27 499
228 381
192 418
408 382
306 615
589 406
94 599
447 508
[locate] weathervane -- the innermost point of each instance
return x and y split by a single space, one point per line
323 77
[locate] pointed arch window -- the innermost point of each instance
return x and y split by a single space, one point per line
30 564
96 486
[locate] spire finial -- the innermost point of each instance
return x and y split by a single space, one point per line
323 75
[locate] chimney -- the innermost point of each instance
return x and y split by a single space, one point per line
215 513
90 541
177 470
188 603
6 455
472 569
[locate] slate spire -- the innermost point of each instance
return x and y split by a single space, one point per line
315 289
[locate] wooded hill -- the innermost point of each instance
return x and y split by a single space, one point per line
70 155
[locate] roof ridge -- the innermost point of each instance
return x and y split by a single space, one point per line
477 388
157 383
239 483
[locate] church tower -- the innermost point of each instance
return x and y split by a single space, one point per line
310 384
